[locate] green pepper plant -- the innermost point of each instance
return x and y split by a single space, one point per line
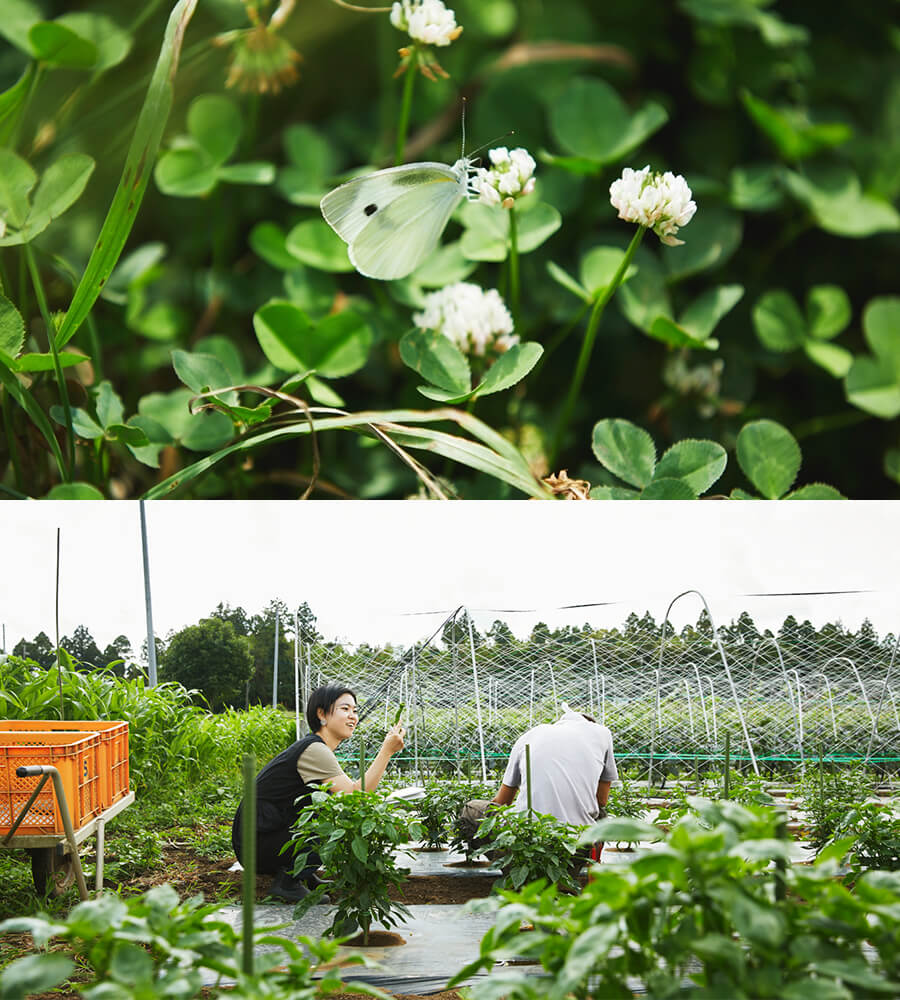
156 946
703 915
356 836
527 845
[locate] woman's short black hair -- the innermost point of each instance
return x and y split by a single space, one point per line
324 697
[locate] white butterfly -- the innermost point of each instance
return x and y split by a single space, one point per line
392 219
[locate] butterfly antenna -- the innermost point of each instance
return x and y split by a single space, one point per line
491 143
462 151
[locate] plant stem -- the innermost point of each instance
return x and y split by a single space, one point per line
513 268
405 105
57 367
249 862
11 440
587 345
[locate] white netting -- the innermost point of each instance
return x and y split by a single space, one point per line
783 695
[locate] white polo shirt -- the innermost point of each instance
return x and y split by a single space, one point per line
568 759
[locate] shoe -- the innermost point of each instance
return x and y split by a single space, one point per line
291 890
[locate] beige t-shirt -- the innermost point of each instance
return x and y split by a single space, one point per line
318 763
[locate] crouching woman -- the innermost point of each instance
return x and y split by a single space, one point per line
285 785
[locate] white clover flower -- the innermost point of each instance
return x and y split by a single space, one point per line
509 177
661 202
427 21
477 321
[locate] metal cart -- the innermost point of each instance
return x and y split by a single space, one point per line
55 863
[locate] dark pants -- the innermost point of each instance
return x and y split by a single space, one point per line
269 842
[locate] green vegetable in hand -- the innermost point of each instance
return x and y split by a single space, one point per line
399 713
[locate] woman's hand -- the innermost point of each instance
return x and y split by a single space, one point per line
393 742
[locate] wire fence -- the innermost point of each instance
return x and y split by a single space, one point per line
785 696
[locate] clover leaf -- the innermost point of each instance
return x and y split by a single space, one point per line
781 325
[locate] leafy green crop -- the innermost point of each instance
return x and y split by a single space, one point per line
704 914
356 836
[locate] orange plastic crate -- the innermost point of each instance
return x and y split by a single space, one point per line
114 773
75 755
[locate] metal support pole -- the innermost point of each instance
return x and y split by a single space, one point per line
275 665
297 674
477 701
151 640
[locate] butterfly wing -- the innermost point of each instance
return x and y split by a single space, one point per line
393 218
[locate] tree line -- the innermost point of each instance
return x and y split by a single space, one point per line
229 656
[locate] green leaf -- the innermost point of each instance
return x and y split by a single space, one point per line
881 325
282 331
111 42
185 173
511 367
312 161
626 450
587 950
200 372
315 243
131 964
45 363
599 266
698 463
60 47
16 181
816 491
814 989
257 172
778 322
267 240
836 360
215 123
83 423
197 432
360 849
12 328
645 296
445 265
589 120
34 974
711 238
74 491
108 404
437 359
769 456
828 311
756 188
793 138
892 464
338 345
621 828
871 384
857 972
12 103
61 184
671 333
135 176
663 488
702 316
563 278
486 236
835 197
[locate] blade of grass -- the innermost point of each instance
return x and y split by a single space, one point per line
506 464
24 398
135 175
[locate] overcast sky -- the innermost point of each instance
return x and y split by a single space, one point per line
370 569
